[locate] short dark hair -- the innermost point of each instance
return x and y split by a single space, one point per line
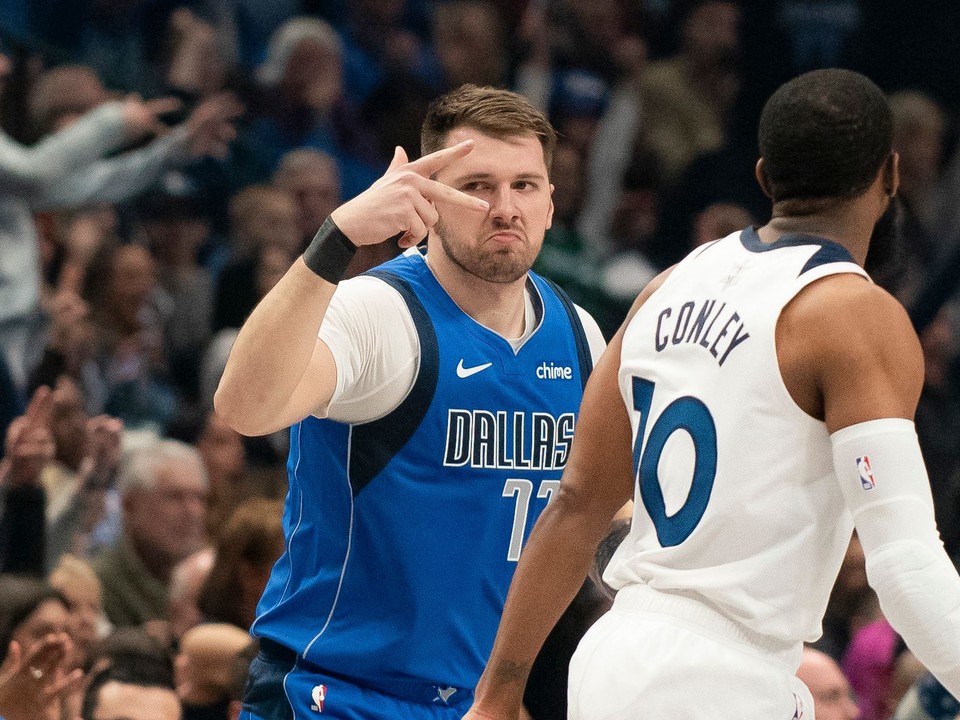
20 596
824 134
491 111
139 670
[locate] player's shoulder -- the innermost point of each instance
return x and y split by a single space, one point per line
846 299
845 315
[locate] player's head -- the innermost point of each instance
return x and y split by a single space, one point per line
825 136
498 113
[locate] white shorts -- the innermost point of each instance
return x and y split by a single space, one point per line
637 663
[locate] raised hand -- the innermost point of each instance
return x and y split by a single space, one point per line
142 117
211 125
29 443
102 451
33 682
402 200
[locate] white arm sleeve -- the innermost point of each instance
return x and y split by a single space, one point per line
884 482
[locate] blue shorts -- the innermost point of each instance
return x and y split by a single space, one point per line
284 687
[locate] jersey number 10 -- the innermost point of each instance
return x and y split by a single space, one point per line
691 415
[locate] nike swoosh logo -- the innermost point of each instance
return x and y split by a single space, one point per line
463 372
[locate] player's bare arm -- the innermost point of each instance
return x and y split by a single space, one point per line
848 353
867 366
278 371
596 483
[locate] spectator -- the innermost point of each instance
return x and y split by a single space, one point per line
205 667
686 99
868 663
34 679
66 170
78 483
163 492
130 313
304 105
34 620
134 690
80 587
247 548
260 217
62 95
225 459
177 228
832 696
310 176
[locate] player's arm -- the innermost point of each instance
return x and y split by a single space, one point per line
869 370
278 371
597 481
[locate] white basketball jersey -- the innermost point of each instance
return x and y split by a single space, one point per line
736 499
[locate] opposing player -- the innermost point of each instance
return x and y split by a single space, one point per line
431 421
758 403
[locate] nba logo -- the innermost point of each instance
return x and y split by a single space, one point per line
319 694
866 474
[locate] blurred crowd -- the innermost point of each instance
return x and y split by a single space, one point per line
163 162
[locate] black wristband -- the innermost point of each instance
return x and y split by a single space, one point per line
329 253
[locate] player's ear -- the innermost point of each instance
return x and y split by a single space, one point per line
760 172
550 212
891 174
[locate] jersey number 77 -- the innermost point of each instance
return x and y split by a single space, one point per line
692 416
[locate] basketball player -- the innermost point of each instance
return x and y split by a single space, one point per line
758 404
432 417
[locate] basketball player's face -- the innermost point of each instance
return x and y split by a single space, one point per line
511 175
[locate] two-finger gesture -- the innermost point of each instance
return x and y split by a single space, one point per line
402 202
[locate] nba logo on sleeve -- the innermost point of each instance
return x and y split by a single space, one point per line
866 474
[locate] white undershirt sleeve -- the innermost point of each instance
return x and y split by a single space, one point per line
884 483
374 343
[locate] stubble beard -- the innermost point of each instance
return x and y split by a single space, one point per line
503 266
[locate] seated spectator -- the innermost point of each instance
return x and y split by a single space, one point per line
176 228
205 667
30 609
33 680
62 95
130 313
79 585
34 623
131 691
832 696
310 177
163 494
246 549
304 105
261 217
870 664
687 99
80 478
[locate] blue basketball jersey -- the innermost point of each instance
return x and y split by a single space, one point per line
403 533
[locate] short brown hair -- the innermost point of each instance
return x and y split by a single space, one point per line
491 111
